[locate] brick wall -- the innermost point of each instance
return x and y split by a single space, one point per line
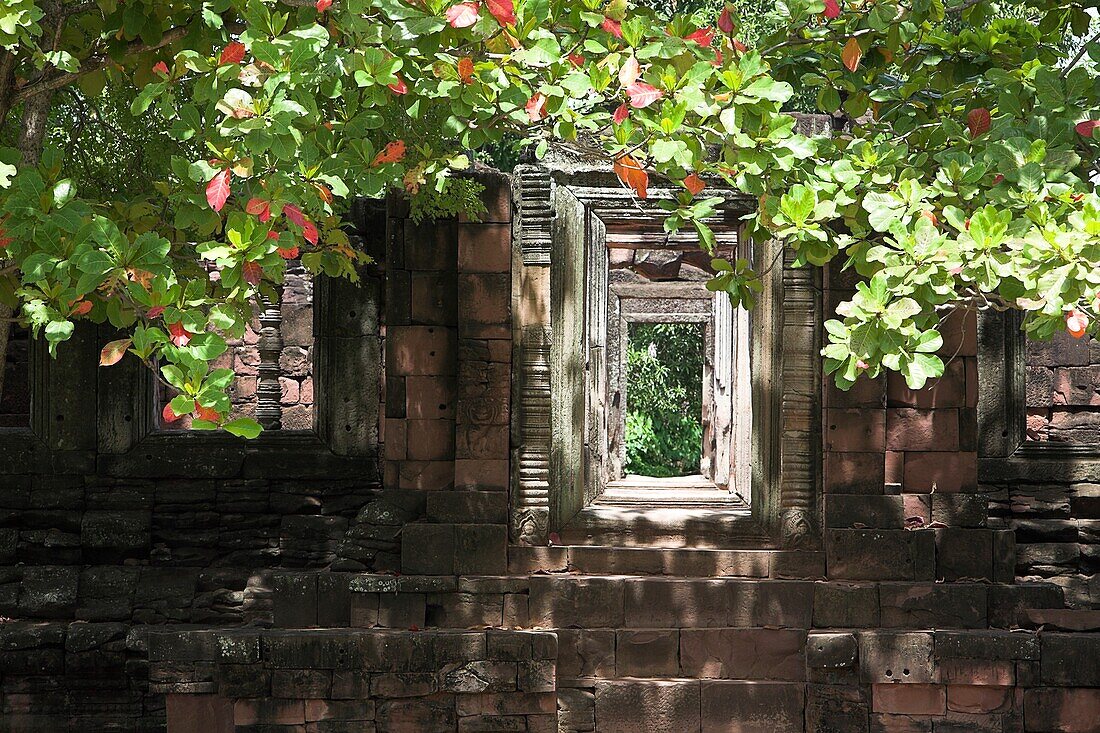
1063 390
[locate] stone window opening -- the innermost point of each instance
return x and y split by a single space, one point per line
273 362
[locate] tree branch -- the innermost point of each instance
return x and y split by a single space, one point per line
53 83
1080 54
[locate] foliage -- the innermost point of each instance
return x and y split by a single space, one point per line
459 196
664 433
962 179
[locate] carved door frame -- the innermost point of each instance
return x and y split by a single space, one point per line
560 210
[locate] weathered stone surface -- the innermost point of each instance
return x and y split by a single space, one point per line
628 707
896 657
831 651
748 654
751 707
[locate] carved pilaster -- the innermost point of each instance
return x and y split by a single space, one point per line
533 190
269 411
530 512
800 455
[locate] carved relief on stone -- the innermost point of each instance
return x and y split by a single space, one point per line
530 513
533 191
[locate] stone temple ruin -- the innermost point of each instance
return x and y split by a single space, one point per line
451 544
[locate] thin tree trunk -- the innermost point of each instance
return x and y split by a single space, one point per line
7 89
36 115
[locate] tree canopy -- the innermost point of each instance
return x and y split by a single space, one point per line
960 175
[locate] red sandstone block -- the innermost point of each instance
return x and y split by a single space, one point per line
894 723
947 391
267 711
430 440
956 471
630 707
985 672
979 698
647 653
434 299
855 430
421 350
507 703
424 475
911 699
485 305
484 248
497 196
960 334
751 654
429 398
895 467
918 506
1061 710
854 473
481 474
396 439
586 653
750 707
189 714
912 429
864 393
971 381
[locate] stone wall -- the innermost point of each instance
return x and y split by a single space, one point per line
330 681
303 591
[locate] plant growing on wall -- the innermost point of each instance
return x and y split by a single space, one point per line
962 176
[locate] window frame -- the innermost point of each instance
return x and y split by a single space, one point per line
1004 453
564 210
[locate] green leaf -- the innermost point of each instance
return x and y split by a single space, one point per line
243 427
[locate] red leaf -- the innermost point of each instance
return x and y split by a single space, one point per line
725 21
252 273
632 174
466 70
287 253
232 54
167 415
503 10
576 59
154 312
259 208
4 239
642 94
178 335
272 234
1077 323
694 184
292 212
629 72
463 15
81 307
998 178
217 191
621 114
832 9
740 47
113 352
536 107
398 87
978 121
851 54
160 68
1087 127
323 5
392 153
703 36
309 231
612 26
207 413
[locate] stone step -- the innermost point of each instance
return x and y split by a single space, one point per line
682 705
629 525
565 600
674 562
